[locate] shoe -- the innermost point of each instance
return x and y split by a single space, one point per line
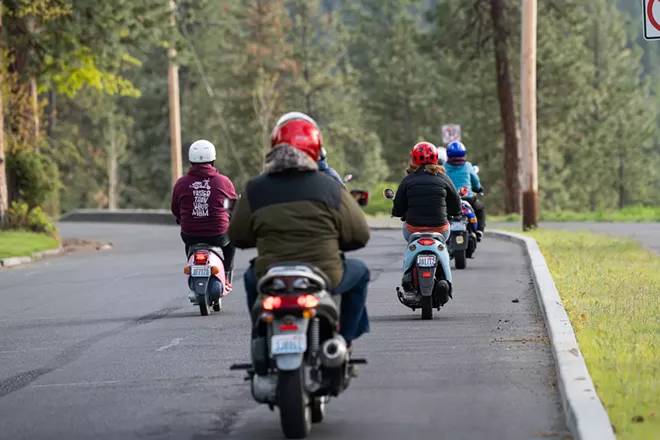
228 286
480 235
192 297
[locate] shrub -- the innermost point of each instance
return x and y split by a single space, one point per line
35 219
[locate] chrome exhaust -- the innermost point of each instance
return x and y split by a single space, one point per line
334 352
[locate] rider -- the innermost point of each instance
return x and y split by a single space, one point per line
462 173
327 169
426 195
198 204
292 213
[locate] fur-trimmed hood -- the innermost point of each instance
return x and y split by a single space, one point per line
286 158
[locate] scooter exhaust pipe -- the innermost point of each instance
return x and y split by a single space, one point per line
333 352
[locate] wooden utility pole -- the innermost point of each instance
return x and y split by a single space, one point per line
530 181
175 111
4 196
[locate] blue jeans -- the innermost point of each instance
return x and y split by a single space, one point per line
354 321
407 233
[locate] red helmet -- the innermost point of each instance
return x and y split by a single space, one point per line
423 153
301 134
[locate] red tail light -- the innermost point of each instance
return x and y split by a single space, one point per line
278 302
426 242
463 191
288 327
426 274
308 301
201 257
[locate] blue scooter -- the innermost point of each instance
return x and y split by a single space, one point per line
426 278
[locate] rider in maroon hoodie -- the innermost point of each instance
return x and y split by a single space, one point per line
198 203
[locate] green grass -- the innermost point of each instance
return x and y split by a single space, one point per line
611 290
631 214
379 205
21 243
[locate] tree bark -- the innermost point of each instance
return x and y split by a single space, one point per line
4 202
512 151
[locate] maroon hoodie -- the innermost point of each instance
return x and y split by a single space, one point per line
197 201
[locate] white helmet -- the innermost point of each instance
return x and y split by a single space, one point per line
201 152
323 154
442 155
296 115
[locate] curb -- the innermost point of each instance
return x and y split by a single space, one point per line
19 261
133 216
585 415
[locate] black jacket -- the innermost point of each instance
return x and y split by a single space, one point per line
425 199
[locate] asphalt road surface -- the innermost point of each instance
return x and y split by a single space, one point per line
105 345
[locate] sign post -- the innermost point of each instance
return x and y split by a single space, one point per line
651 20
451 133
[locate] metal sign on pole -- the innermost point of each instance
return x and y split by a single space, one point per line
651 19
451 133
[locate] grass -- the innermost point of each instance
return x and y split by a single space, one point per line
611 290
22 243
637 214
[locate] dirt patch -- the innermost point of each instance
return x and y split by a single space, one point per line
71 245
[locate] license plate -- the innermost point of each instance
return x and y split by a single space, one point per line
288 344
200 271
458 226
426 261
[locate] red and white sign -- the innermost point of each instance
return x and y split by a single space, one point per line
652 19
451 133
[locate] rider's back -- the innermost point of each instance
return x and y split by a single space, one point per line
460 175
422 197
299 216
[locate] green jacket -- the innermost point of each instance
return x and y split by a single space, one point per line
293 213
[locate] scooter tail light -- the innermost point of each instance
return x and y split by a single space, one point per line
201 257
426 242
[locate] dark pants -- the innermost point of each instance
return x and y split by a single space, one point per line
221 241
479 211
354 321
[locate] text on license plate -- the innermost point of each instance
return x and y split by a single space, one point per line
457 226
426 261
200 271
288 344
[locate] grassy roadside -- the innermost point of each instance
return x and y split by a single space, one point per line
638 214
611 290
22 243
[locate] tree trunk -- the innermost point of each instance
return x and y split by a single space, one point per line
512 151
4 202
34 113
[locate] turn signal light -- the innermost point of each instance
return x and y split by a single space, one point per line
215 270
186 270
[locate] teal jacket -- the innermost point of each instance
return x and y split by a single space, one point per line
464 175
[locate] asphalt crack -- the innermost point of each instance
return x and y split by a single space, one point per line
73 352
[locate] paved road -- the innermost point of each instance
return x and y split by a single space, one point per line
105 346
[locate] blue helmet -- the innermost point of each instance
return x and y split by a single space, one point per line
455 149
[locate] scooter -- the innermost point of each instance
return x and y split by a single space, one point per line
463 238
426 282
299 359
206 277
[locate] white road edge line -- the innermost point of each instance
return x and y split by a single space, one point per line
174 343
585 414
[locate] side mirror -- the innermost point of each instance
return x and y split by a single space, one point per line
362 197
348 177
476 169
389 193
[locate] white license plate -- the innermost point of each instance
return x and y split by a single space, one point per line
457 226
200 271
288 344
426 261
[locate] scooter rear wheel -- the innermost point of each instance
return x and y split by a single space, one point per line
203 305
427 307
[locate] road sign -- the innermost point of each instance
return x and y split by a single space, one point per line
451 133
652 19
